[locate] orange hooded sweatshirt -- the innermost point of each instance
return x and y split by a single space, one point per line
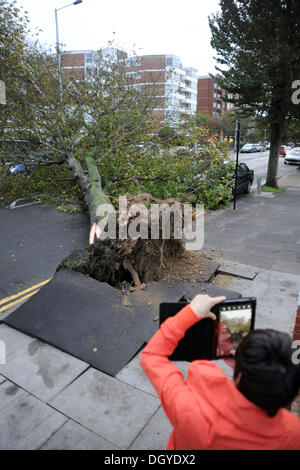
207 411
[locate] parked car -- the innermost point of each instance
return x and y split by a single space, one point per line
285 149
293 158
258 147
248 148
245 178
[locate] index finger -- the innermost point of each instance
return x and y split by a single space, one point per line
218 300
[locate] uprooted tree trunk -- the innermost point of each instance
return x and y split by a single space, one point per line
116 260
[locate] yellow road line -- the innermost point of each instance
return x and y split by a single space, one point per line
12 304
12 297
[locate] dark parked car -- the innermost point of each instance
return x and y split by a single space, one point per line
245 179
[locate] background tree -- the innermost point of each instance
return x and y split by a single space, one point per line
292 132
258 45
13 31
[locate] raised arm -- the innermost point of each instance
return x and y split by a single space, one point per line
165 376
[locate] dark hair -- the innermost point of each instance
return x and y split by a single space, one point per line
268 378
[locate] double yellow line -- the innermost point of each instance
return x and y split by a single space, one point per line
13 300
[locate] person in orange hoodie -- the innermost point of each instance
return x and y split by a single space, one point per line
208 411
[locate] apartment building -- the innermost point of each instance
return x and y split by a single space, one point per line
210 97
75 64
175 85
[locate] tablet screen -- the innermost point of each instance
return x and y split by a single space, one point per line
234 324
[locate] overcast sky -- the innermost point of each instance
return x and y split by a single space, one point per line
177 27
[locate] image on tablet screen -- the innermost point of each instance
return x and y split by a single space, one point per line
234 325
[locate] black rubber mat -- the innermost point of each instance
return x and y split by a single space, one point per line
95 322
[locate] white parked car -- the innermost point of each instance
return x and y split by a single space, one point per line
293 157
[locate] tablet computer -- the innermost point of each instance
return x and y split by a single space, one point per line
210 339
235 320
198 342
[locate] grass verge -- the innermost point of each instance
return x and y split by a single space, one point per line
268 189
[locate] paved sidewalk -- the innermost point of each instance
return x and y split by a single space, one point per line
264 231
51 400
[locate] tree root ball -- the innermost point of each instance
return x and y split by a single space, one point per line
119 261
139 260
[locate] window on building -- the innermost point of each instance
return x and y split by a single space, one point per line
136 62
173 61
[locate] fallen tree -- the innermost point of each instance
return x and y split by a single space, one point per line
102 128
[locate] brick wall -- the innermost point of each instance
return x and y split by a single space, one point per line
153 62
72 60
153 76
205 98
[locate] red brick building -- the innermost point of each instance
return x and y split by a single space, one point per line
210 97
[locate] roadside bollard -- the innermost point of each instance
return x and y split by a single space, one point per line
259 185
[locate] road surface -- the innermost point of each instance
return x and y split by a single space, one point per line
258 162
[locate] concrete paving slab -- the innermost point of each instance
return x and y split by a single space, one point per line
292 179
41 369
237 269
12 338
155 434
9 392
134 375
72 436
113 410
286 266
2 379
259 261
26 423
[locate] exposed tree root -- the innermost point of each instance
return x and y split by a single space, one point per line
136 260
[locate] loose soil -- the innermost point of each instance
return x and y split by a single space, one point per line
103 262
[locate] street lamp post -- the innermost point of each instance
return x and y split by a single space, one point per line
237 143
57 44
